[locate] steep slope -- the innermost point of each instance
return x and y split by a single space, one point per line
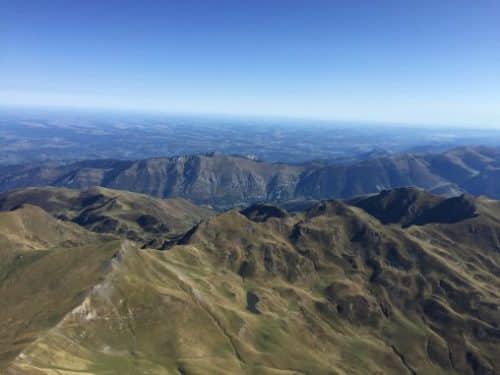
460 164
207 179
210 178
226 181
485 183
331 290
372 175
46 266
409 206
31 228
137 217
38 289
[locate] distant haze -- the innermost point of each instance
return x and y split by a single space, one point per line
423 62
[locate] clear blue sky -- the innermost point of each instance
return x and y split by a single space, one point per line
401 61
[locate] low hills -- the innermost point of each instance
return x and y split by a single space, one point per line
225 181
330 290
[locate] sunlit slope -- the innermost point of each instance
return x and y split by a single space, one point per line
328 291
155 314
46 268
31 228
150 221
28 229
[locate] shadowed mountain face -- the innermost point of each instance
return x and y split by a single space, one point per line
332 290
263 212
225 181
409 206
137 217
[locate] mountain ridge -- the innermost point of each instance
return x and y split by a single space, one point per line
142 218
225 181
355 294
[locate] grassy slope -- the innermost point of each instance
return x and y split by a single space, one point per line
338 293
156 314
112 211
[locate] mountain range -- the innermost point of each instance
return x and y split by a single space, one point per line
223 181
400 282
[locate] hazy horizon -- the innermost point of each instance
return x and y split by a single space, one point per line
56 112
379 62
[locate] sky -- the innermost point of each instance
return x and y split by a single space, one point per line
425 62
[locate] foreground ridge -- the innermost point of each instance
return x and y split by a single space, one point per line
332 289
